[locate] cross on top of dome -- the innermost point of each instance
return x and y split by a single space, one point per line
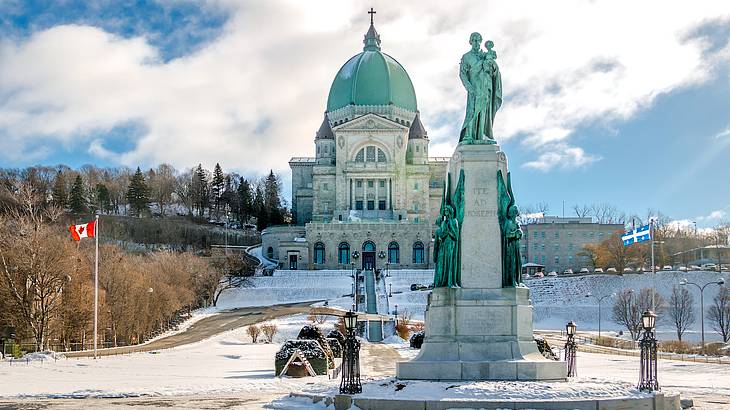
372 38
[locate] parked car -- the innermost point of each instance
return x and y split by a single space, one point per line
598 270
553 273
568 271
709 266
584 270
645 269
667 267
540 275
418 286
694 267
682 269
611 270
525 276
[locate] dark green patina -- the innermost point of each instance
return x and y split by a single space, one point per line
447 245
510 232
480 75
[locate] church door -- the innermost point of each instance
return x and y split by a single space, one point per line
293 259
368 256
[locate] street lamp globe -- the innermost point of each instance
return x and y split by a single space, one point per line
648 320
683 281
350 321
720 281
570 328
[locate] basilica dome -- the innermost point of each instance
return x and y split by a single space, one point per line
372 78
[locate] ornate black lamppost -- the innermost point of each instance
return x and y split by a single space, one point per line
648 369
350 383
570 349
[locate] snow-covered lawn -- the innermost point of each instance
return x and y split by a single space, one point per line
222 364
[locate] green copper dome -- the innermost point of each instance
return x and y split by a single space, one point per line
372 78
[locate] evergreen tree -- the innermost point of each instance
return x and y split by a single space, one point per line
77 200
103 200
60 198
245 200
259 209
229 199
200 192
138 194
217 188
272 199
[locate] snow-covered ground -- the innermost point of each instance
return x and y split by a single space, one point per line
226 363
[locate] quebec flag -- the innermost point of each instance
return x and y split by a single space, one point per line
637 235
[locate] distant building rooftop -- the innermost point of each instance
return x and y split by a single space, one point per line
565 220
302 160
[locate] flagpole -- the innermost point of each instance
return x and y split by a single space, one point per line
653 266
96 281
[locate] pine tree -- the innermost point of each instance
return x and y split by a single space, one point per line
217 188
103 200
60 198
245 200
272 199
138 195
200 192
77 200
259 209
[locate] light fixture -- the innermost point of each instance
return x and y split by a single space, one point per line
570 328
648 320
350 321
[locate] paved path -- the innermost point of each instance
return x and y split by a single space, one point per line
205 328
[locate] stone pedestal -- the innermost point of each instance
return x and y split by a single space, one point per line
480 331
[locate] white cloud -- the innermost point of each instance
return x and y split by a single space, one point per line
255 96
562 156
723 134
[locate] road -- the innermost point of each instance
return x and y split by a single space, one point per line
205 328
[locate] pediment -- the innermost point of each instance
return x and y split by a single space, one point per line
370 122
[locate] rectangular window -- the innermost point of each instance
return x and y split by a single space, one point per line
542 234
534 246
557 260
358 205
570 234
370 184
536 260
415 186
543 246
534 234
543 259
358 183
570 260
557 247
326 186
326 206
381 205
370 154
570 246
371 205
557 235
382 183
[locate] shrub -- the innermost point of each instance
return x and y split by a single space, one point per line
336 334
310 349
269 330
675 346
402 325
336 347
314 333
417 340
254 331
418 327
716 349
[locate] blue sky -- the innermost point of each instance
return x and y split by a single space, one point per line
637 118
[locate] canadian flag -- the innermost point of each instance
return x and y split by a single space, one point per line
79 232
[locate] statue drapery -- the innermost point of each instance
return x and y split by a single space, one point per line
480 75
510 233
447 241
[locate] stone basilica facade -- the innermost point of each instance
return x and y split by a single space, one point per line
371 194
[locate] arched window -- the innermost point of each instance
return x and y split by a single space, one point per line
370 154
343 253
270 253
418 252
319 253
393 252
368 247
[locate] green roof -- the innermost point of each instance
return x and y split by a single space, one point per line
372 78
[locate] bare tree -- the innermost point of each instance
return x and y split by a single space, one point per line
582 211
629 306
719 313
681 310
162 183
228 273
33 261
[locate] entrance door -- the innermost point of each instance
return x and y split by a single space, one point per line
368 260
293 262
368 255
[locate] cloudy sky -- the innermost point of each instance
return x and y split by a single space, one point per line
605 101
